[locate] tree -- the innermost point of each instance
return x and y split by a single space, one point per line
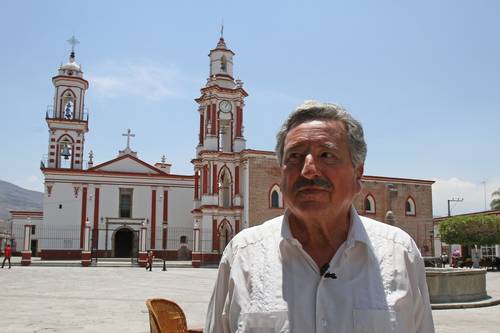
495 203
471 230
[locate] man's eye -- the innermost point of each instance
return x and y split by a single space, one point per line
293 158
328 156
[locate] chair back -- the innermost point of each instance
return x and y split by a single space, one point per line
166 316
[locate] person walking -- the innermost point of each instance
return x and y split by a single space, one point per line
7 254
149 264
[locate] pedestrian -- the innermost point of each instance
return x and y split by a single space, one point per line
320 266
149 263
7 254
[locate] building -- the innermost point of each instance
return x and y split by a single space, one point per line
128 206
485 251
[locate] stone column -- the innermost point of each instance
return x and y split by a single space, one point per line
142 246
26 252
196 254
86 260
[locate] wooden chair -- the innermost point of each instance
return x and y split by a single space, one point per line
167 317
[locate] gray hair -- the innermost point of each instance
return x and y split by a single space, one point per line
313 110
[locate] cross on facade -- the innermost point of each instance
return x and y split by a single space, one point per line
73 42
128 135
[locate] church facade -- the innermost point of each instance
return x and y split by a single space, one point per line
126 206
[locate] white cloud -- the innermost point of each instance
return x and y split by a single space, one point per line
148 81
473 195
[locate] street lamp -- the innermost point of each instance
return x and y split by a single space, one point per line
165 247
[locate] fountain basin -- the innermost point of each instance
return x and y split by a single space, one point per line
450 285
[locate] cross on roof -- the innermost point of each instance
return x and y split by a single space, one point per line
73 42
128 135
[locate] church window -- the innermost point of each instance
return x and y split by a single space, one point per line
223 64
225 188
275 197
225 135
68 105
370 204
410 209
225 234
125 208
68 110
65 148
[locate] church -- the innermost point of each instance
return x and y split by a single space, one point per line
126 206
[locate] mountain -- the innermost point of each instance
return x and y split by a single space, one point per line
13 197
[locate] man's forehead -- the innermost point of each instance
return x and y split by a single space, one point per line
326 132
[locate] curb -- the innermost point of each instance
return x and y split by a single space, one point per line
469 305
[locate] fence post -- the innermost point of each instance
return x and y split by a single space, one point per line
86 245
142 246
26 252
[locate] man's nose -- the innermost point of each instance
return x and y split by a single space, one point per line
309 169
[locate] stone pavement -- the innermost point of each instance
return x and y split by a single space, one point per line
112 299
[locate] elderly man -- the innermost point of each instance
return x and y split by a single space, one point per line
321 267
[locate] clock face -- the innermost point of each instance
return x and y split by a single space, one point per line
225 106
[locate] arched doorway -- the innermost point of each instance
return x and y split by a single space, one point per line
225 234
123 243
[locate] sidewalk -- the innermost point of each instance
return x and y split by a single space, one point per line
108 299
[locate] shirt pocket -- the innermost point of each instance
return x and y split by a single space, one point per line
376 321
263 322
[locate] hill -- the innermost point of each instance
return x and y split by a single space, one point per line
13 197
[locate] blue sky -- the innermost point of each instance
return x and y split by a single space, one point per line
422 77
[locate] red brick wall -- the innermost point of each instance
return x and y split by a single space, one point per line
264 172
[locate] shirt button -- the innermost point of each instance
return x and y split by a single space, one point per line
324 323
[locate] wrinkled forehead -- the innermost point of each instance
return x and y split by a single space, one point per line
324 132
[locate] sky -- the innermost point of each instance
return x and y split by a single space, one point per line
423 77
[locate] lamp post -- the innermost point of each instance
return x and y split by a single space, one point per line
165 247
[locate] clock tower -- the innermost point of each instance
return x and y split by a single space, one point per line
218 204
67 118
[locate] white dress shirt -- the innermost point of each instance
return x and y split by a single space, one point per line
268 283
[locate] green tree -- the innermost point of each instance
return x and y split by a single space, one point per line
471 230
495 203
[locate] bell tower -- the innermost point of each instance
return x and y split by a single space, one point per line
67 118
221 105
218 203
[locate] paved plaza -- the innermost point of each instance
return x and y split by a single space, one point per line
112 299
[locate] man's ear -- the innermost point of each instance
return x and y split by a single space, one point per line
358 172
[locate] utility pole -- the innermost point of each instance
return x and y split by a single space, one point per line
484 189
453 200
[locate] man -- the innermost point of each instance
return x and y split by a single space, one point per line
149 262
321 267
7 254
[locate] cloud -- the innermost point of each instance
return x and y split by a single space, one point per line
154 82
473 195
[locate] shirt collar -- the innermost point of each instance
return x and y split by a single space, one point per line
357 231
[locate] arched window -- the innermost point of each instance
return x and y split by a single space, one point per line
275 197
68 105
370 206
225 234
65 152
223 64
410 208
225 188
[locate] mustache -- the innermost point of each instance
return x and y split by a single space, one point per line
304 182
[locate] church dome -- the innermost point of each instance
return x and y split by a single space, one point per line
71 66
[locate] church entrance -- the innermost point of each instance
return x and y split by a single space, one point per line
124 243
